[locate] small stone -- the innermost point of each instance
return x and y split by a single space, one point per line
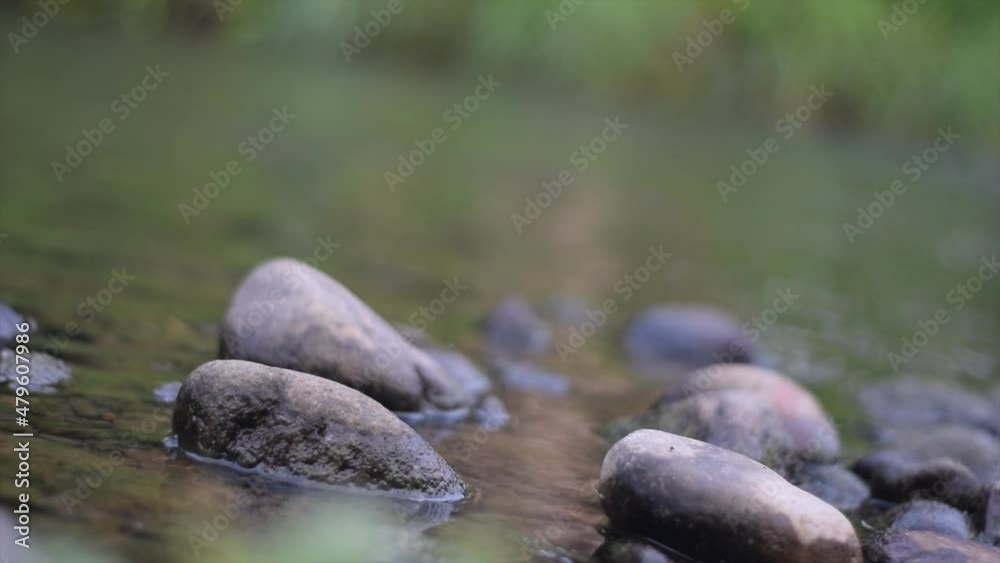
894 477
492 413
668 338
906 404
526 377
712 504
9 319
932 516
287 314
834 484
513 330
45 371
290 424
918 546
166 394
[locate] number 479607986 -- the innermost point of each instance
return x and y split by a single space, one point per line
21 366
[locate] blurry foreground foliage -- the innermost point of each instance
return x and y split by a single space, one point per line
889 70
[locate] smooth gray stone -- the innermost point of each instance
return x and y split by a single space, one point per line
713 504
45 372
287 314
834 484
906 404
932 516
685 336
513 330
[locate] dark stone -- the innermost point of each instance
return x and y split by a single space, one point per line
976 449
834 484
45 371
632 550
907 404
167 393
289 424
713 504
289 315
670 337
932 516
894 477
918 546
514 330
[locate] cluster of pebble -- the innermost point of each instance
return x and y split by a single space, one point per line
733 463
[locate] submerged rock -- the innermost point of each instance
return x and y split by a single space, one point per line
918 546
513 330
289 315
526 377
834 484
906 404
932 516
669 337
712 504
167 393
44 373
290 424
9 319
748 409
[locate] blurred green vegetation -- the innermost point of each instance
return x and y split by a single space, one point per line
934 67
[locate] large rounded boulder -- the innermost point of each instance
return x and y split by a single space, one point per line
289 315
712 504
290 424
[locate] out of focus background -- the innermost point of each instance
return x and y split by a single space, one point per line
400 143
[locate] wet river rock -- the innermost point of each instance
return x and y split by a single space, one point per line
670 337
292 424
712 504
834 484
748 409
287 314
919 546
